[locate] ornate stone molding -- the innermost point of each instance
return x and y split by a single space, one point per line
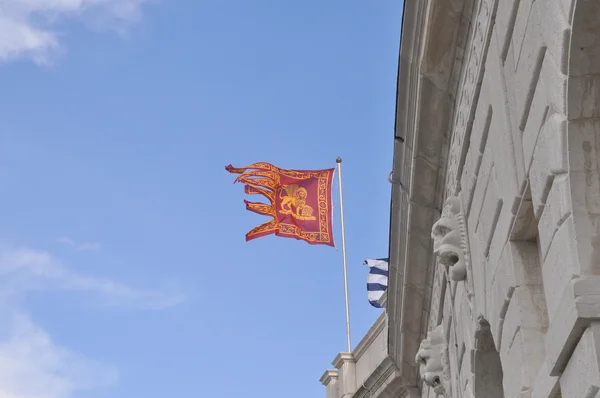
471 83
450 241
432 359
431 35
371 335
329 376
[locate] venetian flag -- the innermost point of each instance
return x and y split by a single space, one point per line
377 282
299 201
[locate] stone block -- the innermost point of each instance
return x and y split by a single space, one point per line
581 377
530 314
584 95
498 300
567 8
505 22
525 261
499 239
585 190
537 116
512 356
555 129
550 157
531 307
437 296
499 297
480 188
420 251
469 178
413 311
540 178
424 182
454 372
584 146
555 86
520 26
508 158
434 120
529 63
477 144
578 307
509 170
555 31
526 310
555 212
545 386
510 80
410 346
329 380
345 363
406 166
490 211
478 266
465 369
534 352
483 115
447 318
585 47
512 325
560 266
524 226
467 324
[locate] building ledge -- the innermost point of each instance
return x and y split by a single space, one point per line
383 300
370 336
328 376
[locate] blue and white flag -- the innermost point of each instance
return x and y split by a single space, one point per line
378 280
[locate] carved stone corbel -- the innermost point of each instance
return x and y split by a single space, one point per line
432 359
450 242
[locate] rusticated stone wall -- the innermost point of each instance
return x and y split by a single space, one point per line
524 171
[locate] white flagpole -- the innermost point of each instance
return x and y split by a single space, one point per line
339 167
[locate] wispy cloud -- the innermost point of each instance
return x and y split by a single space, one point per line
32 365
65 240
86 246
89 246
27 269
29 28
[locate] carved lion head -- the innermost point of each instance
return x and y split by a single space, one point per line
430 360
448 239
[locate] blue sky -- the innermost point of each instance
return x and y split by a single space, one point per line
123 266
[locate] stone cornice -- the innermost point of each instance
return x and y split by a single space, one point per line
377 379
432 31
383 300
342 357
328 376
371 335
472 74
386 382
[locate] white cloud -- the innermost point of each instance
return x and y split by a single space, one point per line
32 365
22 270
89 246
29 28
65 240
86 246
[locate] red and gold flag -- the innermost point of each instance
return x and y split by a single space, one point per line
299 201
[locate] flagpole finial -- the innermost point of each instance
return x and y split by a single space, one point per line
338 160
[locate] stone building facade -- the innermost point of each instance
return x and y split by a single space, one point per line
494 284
